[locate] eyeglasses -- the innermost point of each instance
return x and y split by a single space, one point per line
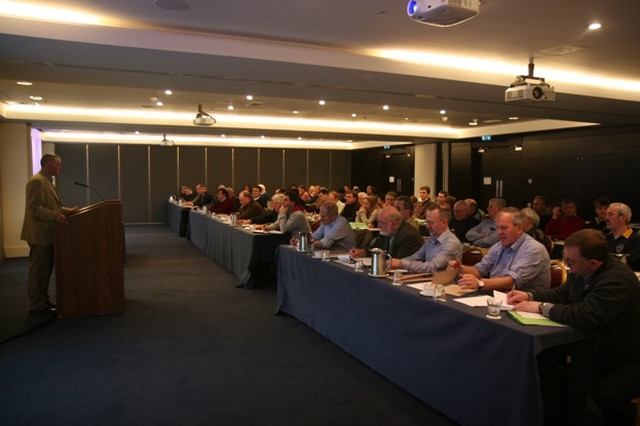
383 223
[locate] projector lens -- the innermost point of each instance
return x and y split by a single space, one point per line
412 7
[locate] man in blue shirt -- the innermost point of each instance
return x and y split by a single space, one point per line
485 234
517 261
334 232
436 252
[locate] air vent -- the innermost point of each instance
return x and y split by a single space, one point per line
254 104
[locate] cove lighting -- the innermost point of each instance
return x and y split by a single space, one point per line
44 13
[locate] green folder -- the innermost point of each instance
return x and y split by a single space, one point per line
534 321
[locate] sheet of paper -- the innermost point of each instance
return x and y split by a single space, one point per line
499 295
474 301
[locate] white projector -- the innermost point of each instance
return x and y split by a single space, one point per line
443 13
530 93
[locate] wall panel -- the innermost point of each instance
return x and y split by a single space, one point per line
271 170
164 179
103 172
219 167
191 165
295 167
135 183
340 169
74 169
245 168
319 167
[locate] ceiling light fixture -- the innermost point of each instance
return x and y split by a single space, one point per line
25 83
249 97
518 148
474 122
480 150
230 107
595 26
385 107
322 102
202 118
166 142
168 92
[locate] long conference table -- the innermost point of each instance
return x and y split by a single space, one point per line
475 370
240 251
177 217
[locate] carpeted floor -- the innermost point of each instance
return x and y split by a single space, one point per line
191 349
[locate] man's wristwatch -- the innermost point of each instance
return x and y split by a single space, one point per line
540 308
480 284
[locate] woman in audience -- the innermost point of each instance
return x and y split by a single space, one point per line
368 212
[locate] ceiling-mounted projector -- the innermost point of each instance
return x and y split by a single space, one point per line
202 118
443 13
527 88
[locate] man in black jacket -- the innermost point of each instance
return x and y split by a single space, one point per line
603 295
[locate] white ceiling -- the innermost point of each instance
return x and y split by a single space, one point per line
291 53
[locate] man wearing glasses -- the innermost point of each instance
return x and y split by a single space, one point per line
334 232
397 237
601 295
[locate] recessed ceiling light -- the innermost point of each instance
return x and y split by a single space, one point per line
321 102
474 122
230 107
168 92
295 111
299 138
514 118
443 112
261 136
25 83
35 98
249 97
159 103
385 107
354 115
595 26
223 135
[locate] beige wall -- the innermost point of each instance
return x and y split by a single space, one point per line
15 148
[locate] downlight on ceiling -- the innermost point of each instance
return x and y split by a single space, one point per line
202 118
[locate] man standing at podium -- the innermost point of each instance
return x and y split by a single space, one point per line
43 208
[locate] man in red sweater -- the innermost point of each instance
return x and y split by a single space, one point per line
562 225
225 205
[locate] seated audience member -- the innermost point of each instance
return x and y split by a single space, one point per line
249 207
368 212
516 261
256 195
361 197
600 221
441 197
334 197
449 202
224 205
475 211
334 232
441 247
404 205
601 295
313 193
268 216
289 219
397 237
540 206
462 221
264 194
621 239
303 194
351 206
390 199
232 197
322 195
203 198
247 188
485 234
187 194
371 190
566 223
531 225
420 208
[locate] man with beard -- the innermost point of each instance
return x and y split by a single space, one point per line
397 237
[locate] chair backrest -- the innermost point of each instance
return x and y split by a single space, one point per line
363 238
549 244
558 273
472 255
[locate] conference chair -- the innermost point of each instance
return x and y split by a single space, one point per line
363 238
558 273
472 255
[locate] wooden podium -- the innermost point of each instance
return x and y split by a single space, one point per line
89 261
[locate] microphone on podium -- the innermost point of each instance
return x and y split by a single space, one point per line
84 185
